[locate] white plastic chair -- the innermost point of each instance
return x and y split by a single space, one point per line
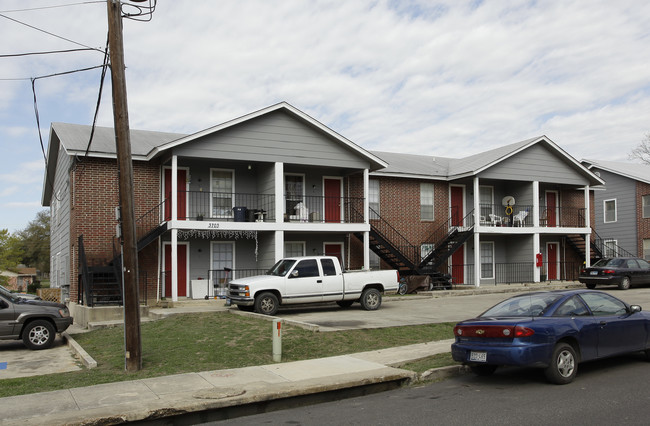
521 216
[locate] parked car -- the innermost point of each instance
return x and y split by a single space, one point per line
23 295
36 322
311 279
621 271
553 330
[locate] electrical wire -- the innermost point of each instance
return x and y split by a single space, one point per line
15 55
52 7
49 33
99 97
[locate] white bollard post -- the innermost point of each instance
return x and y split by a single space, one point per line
277 340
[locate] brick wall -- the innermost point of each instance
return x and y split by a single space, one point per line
400 207
94 197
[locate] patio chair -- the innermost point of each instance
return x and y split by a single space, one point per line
520 217
496 220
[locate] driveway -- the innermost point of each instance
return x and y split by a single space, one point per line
17 361
396 312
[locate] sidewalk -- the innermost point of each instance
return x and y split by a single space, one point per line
153 398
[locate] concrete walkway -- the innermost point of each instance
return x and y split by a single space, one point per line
223 390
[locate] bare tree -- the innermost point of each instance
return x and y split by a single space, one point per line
642 151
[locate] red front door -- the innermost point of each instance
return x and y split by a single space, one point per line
458 266
182 270
335 250
332 200
551 252
182 195
551 208
456 205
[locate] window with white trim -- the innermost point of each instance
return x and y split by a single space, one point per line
221 188
486 201
425 250
294 192
610 248
609 210
375 261
645 201
294 248
487 260
426 201
373 198
646 249
223 256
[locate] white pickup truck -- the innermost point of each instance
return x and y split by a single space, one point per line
311 279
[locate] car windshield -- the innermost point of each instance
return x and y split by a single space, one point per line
281 268
612 263
523 306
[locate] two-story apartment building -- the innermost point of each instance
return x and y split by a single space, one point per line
518 213
622 207
222 203
229 201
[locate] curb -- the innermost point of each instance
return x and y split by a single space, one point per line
85 358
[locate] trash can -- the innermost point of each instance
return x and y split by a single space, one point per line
240 214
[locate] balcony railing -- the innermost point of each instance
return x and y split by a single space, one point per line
240 207
521 216
516 272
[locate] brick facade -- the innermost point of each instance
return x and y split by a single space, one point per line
94 196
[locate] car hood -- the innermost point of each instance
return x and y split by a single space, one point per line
255 279
32 302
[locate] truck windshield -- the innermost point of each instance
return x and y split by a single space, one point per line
281 268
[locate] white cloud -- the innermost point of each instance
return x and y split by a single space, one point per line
449 78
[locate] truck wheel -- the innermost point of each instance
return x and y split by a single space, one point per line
39 334
345 303
370 299
266 303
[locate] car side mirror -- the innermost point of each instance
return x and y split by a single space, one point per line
294 274
635 308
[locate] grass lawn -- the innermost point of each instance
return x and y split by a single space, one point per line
214 341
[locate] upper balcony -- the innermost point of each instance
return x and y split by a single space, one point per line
496 215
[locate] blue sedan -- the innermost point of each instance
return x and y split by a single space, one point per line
553 330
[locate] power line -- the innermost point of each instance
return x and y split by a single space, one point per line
49 33
51 7
14 55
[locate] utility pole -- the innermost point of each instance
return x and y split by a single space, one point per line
132 342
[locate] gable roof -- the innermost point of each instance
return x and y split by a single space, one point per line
634 171
408 165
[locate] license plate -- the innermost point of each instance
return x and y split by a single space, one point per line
593 273
478 356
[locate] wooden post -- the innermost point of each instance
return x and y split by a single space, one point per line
131 299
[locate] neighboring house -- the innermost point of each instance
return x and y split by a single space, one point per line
20 278
229 201
622 208
488 215
222 203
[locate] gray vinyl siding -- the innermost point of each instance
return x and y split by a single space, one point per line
60 222
535 164
623 190
275 137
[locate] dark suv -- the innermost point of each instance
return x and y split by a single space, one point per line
34 321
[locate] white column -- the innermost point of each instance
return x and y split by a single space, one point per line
279 194
477 235
537 271
366 219
279 245
588 226
174 259
535 204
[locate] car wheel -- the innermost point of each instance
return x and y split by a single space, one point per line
403 288
591 286
564 365
39 334
345 303
266 303
483 370
625 283
370 299
246 308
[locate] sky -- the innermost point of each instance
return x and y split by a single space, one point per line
447 78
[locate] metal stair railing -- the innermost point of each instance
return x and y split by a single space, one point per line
443 235
393 237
